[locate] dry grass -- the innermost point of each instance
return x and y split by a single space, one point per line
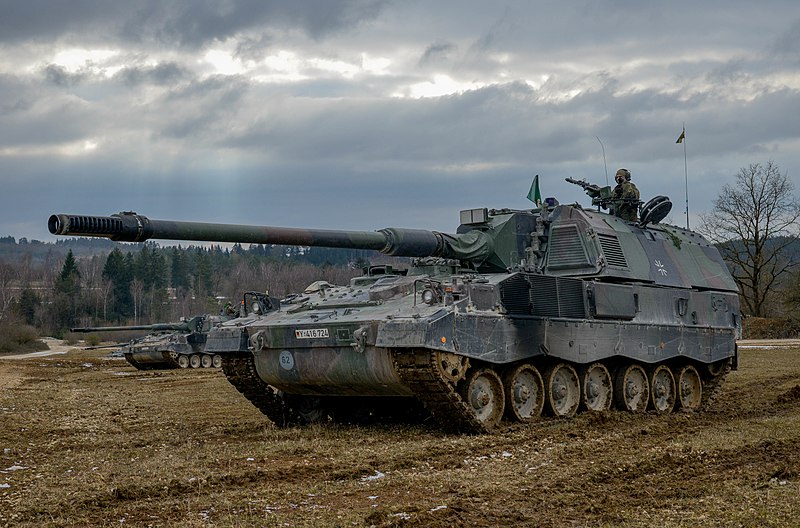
102 444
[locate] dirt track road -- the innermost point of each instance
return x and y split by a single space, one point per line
89 441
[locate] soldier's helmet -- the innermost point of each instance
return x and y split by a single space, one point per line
625 173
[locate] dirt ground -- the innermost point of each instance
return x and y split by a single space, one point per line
90 441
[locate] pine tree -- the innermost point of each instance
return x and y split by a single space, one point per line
67 302
118 270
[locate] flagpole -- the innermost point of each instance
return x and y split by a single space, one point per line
686 175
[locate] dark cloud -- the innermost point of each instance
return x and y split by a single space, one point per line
175 22
157 127
436 53
787 43
250 48
165 73
59 76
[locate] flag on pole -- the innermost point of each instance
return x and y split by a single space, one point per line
534 195
682 136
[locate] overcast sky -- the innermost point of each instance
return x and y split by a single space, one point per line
368 114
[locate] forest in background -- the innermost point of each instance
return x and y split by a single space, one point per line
52 287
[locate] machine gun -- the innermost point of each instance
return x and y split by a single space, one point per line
601 196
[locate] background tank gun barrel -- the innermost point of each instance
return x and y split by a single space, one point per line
132 227
158 327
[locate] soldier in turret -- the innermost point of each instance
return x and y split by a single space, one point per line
625 197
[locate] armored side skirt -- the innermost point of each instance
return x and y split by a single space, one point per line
334 371
151 359
347 371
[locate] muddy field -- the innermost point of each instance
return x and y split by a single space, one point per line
89 441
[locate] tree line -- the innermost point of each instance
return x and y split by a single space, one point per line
753 222
151 284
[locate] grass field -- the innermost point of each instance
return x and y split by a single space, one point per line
90 441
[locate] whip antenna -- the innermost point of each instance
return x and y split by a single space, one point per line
604 158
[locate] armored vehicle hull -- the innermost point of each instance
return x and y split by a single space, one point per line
183 344
162 351
519 313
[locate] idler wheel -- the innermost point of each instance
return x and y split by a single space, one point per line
717 368
205 361
597 392
194 361
216 361
310 409
483 392
662 389
690 388
524 390
563 389
183 361
631 388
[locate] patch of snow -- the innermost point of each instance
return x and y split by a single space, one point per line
376 476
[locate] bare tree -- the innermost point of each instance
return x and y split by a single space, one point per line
137 291
7 275
752 223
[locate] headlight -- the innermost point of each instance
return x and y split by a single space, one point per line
428 297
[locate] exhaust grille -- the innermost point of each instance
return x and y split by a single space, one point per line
515 295
566 250
557 297
612 250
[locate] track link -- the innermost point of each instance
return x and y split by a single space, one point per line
418 370
240 370
711 386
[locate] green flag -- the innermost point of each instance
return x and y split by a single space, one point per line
534 195
682 136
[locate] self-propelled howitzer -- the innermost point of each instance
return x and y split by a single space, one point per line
561 309
168 345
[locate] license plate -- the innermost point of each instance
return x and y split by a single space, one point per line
311 333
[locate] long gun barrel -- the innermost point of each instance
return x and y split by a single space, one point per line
159 327
132 227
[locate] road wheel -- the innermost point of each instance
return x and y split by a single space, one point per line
216 361
524 390
631 388
690 388
205 361
183 361
662 389
563 389
194 361
483 392
597 392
